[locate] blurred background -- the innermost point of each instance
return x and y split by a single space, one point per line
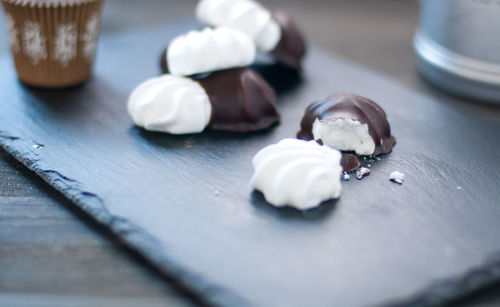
376 34
69 261
360 30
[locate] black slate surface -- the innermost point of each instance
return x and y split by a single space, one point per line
185 202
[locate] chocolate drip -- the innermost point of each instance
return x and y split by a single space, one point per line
354 107
291 48
241 100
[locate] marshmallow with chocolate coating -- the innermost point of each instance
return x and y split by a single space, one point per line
348 122
232 100
274 33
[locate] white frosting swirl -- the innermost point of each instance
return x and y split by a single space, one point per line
245 15
208 50
172 104
297 173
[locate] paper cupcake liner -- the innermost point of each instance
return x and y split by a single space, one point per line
53 42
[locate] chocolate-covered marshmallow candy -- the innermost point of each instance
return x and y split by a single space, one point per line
232 100
273 33
348 122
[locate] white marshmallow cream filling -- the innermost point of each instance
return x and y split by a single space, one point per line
344 134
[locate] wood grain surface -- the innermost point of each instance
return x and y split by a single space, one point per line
51 253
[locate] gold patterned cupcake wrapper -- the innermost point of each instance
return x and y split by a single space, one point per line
53 45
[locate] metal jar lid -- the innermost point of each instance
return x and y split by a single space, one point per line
458 46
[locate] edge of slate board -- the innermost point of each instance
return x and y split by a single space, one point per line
126 231
454 288
443 291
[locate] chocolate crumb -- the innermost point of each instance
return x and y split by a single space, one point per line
349 162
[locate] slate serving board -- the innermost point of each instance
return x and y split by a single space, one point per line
184 202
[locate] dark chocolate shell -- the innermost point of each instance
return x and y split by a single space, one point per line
291 48
241 100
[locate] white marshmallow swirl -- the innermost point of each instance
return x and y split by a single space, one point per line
245 15
171 104
297 173
209 50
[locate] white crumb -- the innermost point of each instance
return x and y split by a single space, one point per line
346 176
397 177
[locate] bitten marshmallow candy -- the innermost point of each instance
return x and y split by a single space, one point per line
297 173
232 100
208 50
274 33
348 122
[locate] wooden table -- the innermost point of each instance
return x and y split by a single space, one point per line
53 255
